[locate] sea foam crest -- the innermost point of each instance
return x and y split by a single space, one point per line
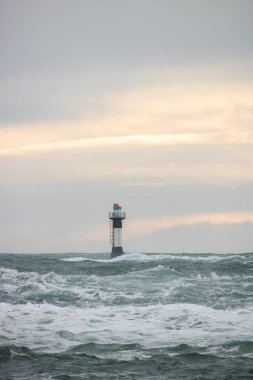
146 257
75 259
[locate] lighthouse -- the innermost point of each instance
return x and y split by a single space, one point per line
116 218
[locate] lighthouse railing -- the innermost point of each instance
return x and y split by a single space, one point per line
117 214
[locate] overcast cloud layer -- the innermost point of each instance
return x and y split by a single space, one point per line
145 103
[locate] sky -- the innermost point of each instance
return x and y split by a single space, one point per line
146 103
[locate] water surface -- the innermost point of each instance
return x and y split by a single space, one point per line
139 316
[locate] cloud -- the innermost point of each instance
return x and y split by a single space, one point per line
98 142
170 133
164 107
149 225
145 226
162 140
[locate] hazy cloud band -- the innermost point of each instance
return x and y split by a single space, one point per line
166 139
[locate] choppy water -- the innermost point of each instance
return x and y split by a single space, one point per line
139 316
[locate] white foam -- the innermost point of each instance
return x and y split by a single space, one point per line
150 285
214 276
74 259
125 308
41 327
146 257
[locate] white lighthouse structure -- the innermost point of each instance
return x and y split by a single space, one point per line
116 218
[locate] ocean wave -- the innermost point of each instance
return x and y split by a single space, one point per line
151 326
125 257
141 312
214 276
10 351
181 362
148 285
147 257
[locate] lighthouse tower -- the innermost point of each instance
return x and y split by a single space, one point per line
116 218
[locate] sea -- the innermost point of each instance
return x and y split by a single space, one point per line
138 316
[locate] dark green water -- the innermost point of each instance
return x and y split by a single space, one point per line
67 316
